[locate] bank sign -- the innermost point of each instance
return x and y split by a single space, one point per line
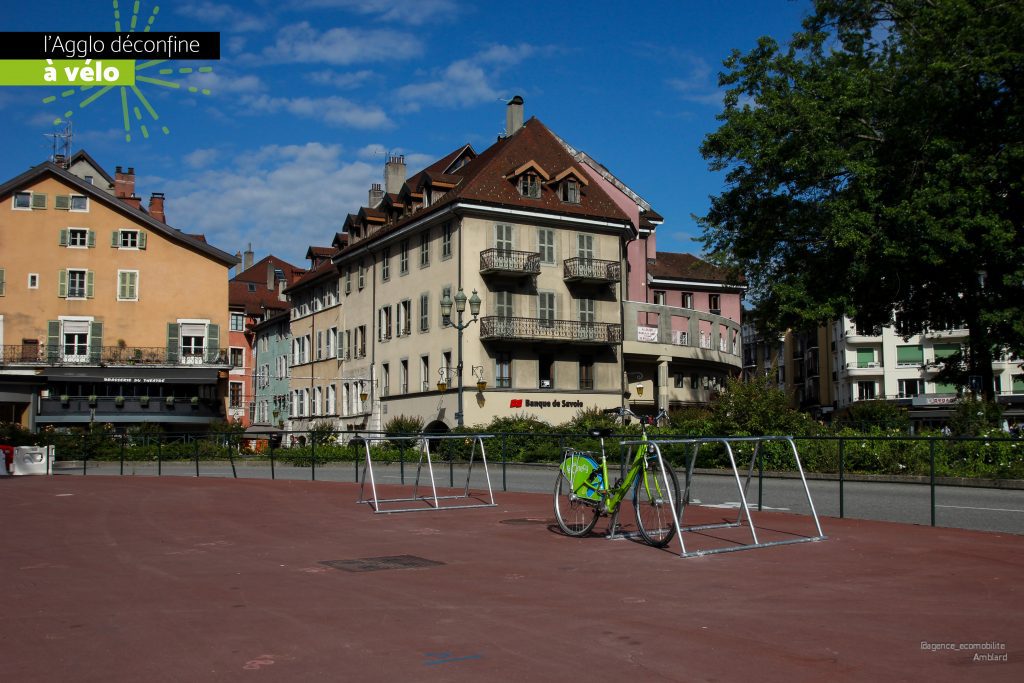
548 403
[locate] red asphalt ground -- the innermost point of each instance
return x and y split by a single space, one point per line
175 579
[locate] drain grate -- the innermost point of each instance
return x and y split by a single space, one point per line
376 564
527 520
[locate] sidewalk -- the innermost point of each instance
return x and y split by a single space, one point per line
169 579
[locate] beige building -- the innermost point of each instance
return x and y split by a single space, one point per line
94 323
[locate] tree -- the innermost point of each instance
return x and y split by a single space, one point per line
874 168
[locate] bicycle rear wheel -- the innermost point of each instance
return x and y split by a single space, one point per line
654 517
576 506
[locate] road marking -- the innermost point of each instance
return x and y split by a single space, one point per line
968 507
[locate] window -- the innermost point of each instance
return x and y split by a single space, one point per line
503 369
22 200
424 312
235 395
384 323
77 283
545 371
425 248
587 310
585 246
529 185
403 376
866 358
570 191
546 245
237 357
78 238
403 257
425 373
546 308
687 299
332 342
908 356
503 237
128 239
446 240
715 304
361 341
348 279
586 372
237 322
362 275
318 400
76 340
911 387
865 391
331 399
659 298
385 264
404 327
79 203
385 379
33 281
503 304
127 285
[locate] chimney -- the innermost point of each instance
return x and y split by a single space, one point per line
156 206
270 275
134 202
248 257
394 174
124 183
513 115
376 195
281 296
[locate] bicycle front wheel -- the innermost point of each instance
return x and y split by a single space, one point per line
576 506
654 518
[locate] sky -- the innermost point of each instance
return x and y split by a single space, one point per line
309 97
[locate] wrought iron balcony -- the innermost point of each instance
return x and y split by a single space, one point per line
591 270
41 354
509 262
495 328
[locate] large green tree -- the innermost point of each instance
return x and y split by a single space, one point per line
874 168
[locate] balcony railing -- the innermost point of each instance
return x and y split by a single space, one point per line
591 270
509 262
34 354
542 329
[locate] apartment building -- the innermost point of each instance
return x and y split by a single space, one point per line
255 294
272 342
93 324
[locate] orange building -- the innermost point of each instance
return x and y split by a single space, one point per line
107 313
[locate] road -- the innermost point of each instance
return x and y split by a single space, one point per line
962 507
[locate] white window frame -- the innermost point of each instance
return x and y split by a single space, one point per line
240 318
78 321
80 232
125 233
446 240
133 277
543 248
33 280
424 249
84 292
71 203
16 196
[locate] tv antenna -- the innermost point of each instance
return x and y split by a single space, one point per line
60 146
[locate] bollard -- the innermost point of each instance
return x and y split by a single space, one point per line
931 483
123 437
196 451
842 474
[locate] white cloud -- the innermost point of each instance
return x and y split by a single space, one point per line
201 158
282 199
372 151
413 12
697 82
224 16
223 83
301 43
334 111
340 80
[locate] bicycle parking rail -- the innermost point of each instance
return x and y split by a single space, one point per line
434 500
741 487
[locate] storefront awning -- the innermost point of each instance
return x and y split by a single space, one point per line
133 375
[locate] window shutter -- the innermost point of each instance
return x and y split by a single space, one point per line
62 284
63 240
172 342
95 342
122 285
62 202
38 200
3 282
90 279
115 239
52 340
92 239
212 343
142 239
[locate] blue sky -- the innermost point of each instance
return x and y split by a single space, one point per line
310 95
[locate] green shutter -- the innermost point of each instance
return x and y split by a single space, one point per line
95 342
3 282
63 239
53 340
90 280
62 284
865 357
91 239
212 343
38 200
142 239
122 285
172 342
909 355
1018 384
946 350
115 239
62 202
944 388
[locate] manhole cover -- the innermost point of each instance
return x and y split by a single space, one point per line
527 520
375 564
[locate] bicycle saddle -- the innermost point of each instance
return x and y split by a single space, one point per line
601 431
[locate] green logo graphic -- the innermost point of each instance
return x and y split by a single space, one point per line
129 80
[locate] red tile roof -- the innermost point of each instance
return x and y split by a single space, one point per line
673 265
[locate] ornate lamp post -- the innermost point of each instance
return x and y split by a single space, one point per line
446 314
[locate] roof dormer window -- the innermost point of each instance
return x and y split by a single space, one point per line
569 190
529 185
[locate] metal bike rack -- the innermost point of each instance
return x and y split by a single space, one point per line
434 500
741 487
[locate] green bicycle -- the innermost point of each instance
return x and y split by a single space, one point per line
582 494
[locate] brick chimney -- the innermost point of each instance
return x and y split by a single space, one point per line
513 115
248 257
376 195
124 183
394 174
156 206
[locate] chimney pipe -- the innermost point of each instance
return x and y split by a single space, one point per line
124 183
248 257
513 115
394 174
156 206
270 276
376 195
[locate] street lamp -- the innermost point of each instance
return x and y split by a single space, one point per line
446 314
